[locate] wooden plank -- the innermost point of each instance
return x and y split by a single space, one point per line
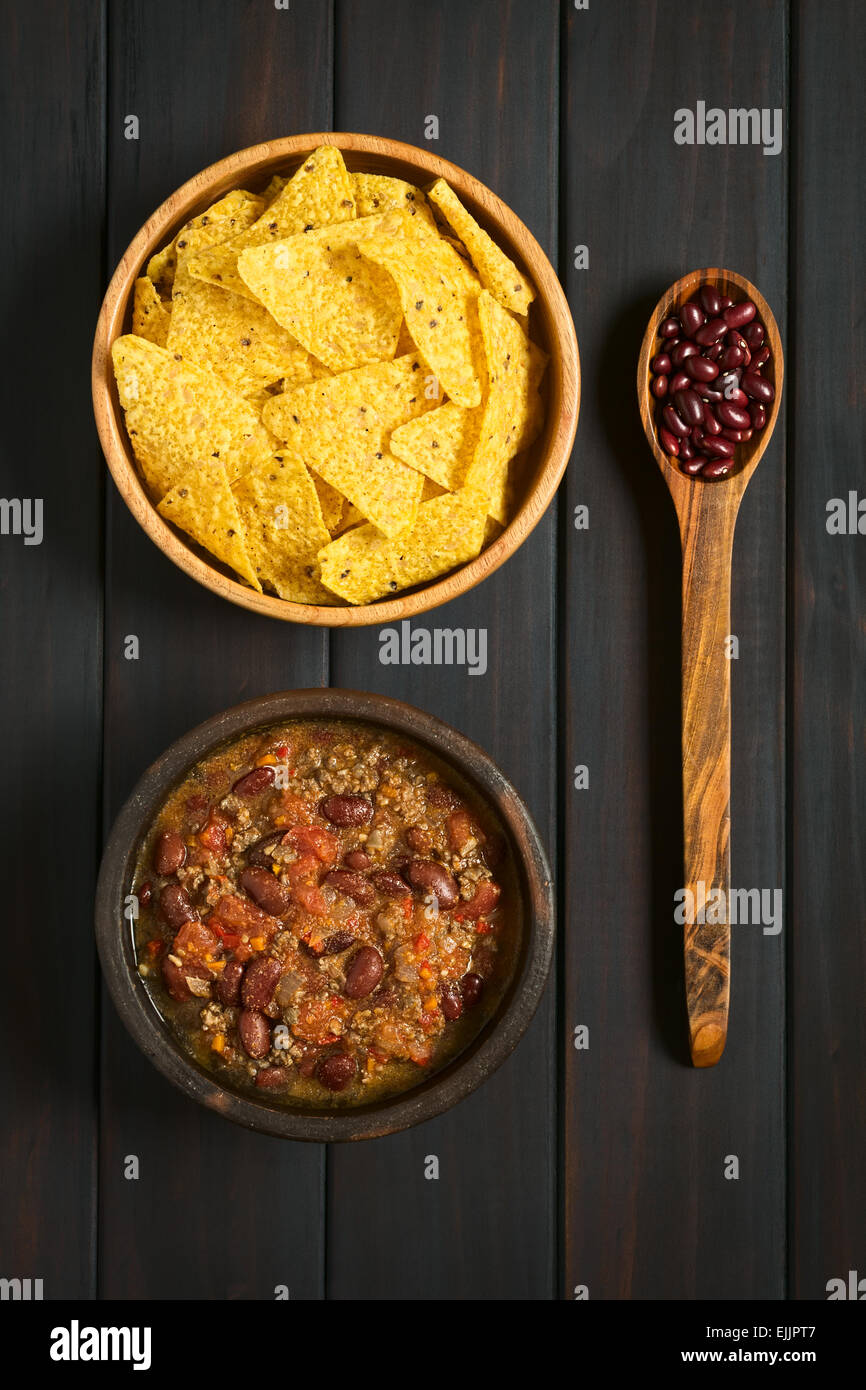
50 635
827 1140
647 1208
486 1228
217 1212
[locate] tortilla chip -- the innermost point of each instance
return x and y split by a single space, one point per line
363 565
497 273
179 416
440 444
332 503
395 391
350 517
317 195
224 219
150 317
202 505
438 295
505 413
341 307
276 185
538 360
377 193
280 510
236 338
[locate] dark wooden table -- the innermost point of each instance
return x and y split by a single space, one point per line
607 1167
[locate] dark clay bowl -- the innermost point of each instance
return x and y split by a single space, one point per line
440 1091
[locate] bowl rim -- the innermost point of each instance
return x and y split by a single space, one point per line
564 392
478 1060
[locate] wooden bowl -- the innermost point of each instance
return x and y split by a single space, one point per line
438 1092
551 326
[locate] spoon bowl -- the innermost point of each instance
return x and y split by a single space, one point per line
707 512
748 454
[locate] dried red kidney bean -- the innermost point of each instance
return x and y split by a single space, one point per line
353 884
254 782
169 853
363 974
429 877
260 981
175 906
228 985
265 890
451 1001
347 810
255 1033
391 884
472 988
336 1070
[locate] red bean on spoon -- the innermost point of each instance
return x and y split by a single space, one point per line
738 314
736 417
758 388
692 317
701 369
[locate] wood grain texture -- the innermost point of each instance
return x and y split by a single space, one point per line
552 327
827 919
707 515
217 1212
647 1211
50 639
486 1228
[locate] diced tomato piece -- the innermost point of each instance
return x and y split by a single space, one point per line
314 839
460 830
194 941
313 1021
421 942
290 809
483 900
241 915
213 835
303 879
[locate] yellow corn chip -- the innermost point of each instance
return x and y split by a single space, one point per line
224 219
150 317
341 307
438 295
498 274
350 517
237 339
276 185
538 360
363 565
396 391
332 503
284 528
505 412
377 193
179 416
318 194
203 505
440 443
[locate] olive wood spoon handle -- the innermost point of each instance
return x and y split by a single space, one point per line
707 514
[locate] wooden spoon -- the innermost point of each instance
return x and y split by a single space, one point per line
707 513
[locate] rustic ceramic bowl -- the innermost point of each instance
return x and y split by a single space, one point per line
439 1091
550 318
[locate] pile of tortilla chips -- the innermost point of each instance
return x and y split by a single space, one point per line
326 386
